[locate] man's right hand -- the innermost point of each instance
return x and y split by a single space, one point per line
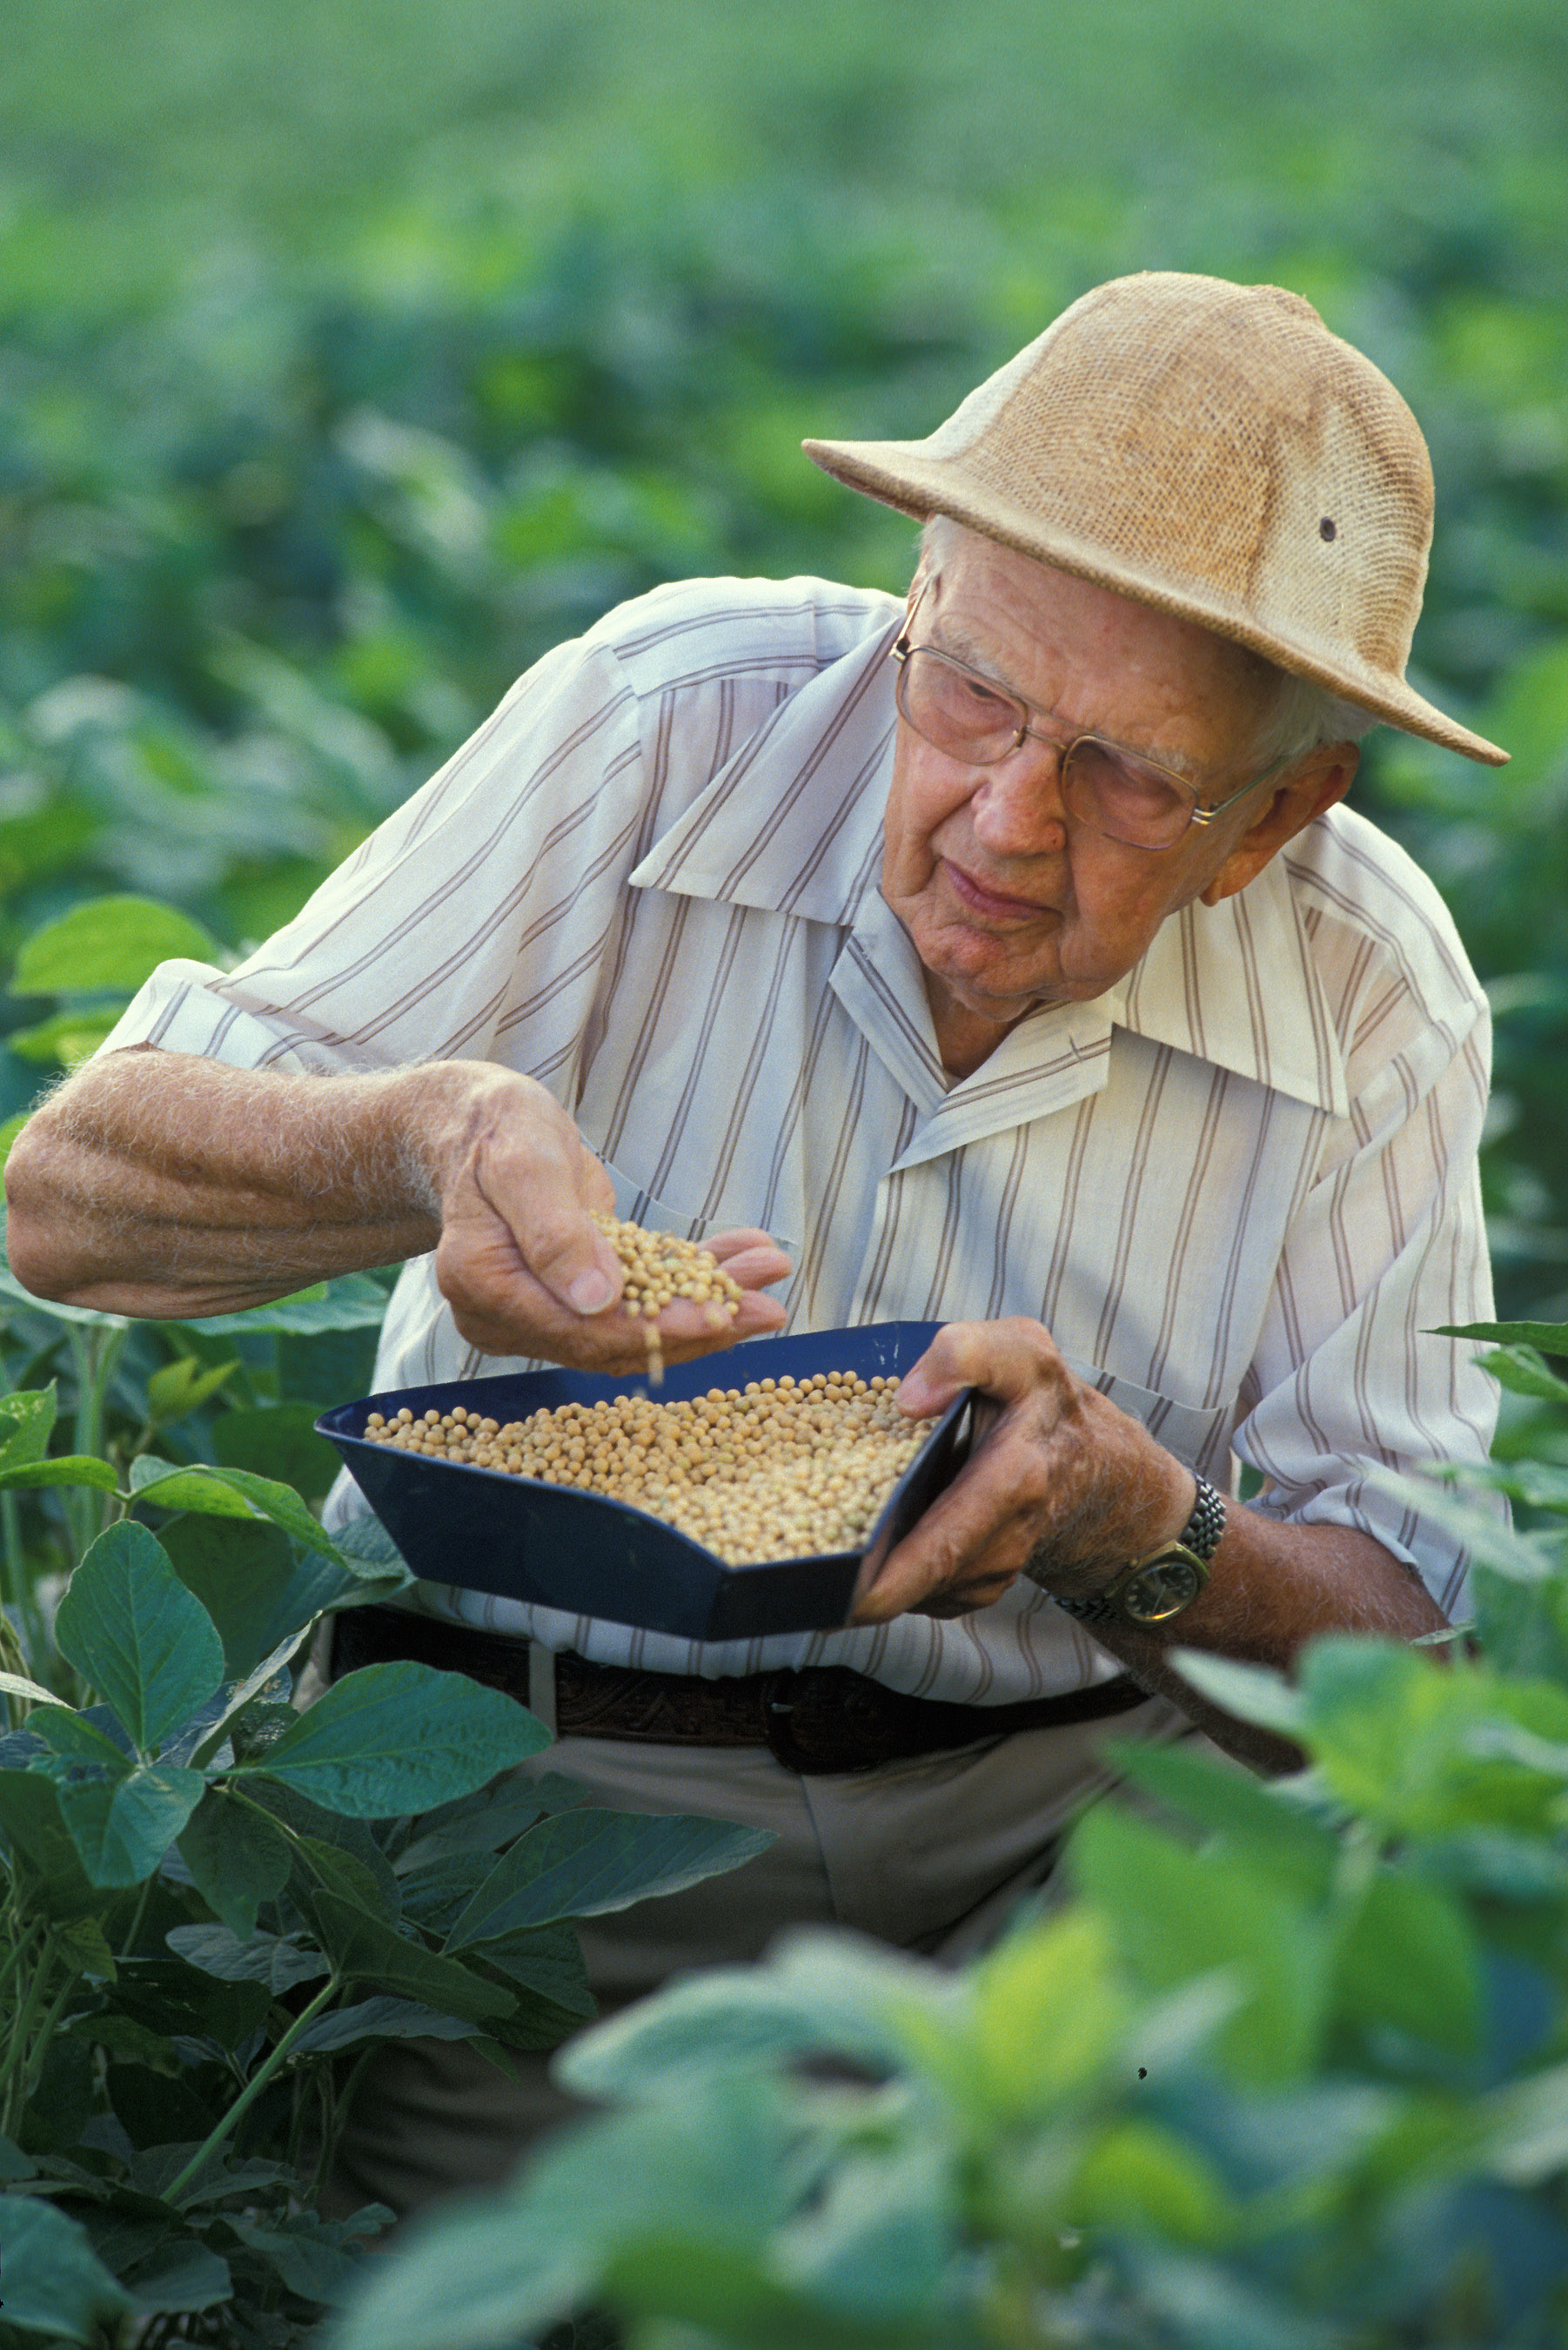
167 1186
525 1270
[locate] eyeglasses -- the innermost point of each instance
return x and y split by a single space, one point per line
1115 792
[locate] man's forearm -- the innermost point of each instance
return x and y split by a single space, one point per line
160 1184
1271 1589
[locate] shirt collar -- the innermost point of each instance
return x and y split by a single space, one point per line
793 824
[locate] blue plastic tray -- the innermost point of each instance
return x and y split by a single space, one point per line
559 1547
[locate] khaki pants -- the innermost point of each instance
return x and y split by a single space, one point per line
931 1855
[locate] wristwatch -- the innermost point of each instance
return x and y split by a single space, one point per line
1152 1589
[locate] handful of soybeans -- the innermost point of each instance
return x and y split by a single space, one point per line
778 1468
658 1269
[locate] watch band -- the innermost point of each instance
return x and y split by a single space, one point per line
1194 1546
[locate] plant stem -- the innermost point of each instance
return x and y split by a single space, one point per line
341 2105
254 2086
20 2035
127 1948
37 2054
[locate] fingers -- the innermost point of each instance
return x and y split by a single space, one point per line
1007 1360
749 1257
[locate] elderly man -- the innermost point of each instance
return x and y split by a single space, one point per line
1006 956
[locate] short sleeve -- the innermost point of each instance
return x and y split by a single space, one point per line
465 926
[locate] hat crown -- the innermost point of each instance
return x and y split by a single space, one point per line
1217 437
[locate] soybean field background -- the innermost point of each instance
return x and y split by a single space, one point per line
352 354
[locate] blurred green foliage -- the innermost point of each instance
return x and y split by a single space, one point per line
350 355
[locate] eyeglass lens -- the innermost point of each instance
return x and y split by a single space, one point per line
1105 789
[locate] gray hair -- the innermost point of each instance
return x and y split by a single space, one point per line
1297 715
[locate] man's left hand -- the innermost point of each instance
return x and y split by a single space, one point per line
1060 1484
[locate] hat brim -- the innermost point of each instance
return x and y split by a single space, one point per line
903 474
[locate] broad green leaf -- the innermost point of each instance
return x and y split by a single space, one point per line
122 1823
1013 2060
243 1695
352 1302
123 2036
323 1868
185 1385
26 1421
308 2254
179 2275
237 1857
1528 2128
397 1737
1234 1805
132 1629
84 1949
548 1961
1138 2180
65 1469
253 1585
220 1492
279 1441
109 942
1546 1338
66 1731
1482 1530
37 1833
363 1950
1177 1914
1252 1693
1524 1371
587 1862
1408 1959
65 1038
51 2281
275 1963
484 1822
379 2019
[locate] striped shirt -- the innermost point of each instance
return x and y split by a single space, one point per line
1240 1188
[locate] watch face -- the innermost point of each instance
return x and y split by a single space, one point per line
1165 1587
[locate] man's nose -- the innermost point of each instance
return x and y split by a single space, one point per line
1017 809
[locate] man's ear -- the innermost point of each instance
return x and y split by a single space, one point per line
1315 783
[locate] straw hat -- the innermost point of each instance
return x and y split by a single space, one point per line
1209 449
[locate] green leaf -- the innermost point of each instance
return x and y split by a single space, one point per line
123 2036
18 1685
109 942
53 2281
484 1822
1139 2180
38 1834
185 1385
279 1441
26 1421
328 1867
66 1731
1408 1959
308 2254
352 1302
216 1491
122 1823
1277 1834
379 2019
1527 2130
1250 1693
1524 1371
397 1737
237 1857
1546 1338
587 1862
252 1584
1176 1915
65 1038
363 1950
275 1961
65 1469
133 1631
548 1961
179 2275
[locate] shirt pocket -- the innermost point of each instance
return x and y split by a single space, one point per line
1198 1435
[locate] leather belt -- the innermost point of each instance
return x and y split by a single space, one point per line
820 1720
